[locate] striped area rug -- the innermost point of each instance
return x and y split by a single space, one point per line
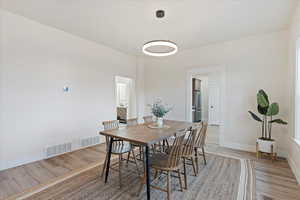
223 178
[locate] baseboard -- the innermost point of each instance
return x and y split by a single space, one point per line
294 168
247 147
281 153
291 160
24 161
19 162
36 189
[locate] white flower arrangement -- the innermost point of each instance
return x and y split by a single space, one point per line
158 109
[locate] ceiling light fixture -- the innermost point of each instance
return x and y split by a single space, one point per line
160 48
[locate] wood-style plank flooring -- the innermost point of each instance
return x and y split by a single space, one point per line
274 181
18 179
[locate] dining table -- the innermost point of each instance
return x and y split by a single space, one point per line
145 135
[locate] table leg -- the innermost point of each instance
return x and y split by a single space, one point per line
147 173
108 158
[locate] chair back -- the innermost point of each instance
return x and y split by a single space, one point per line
132 122
189 143
148 119
176 149
113 124
109 125
201 135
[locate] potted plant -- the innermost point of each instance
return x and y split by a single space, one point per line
268 111
159 110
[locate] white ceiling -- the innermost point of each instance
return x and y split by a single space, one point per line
127 24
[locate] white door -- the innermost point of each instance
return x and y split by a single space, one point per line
214 105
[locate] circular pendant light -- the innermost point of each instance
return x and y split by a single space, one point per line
160 48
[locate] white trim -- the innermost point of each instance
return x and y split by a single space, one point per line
132 102
297 90
15 163
294 167
55 181
296 141
41 156
294 144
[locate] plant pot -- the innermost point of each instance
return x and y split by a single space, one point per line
266 146
160 122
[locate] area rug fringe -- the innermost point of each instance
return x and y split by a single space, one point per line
247 182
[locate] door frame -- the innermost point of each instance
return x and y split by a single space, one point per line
132 111
204 70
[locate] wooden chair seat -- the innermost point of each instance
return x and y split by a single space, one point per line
161 161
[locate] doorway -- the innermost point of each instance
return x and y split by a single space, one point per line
205 100
125 98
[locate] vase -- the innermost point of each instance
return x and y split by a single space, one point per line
160 122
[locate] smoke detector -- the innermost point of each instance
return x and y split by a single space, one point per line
160 13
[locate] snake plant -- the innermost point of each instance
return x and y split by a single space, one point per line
267 111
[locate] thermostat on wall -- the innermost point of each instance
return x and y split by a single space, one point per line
66 89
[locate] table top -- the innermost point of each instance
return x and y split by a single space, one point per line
143 135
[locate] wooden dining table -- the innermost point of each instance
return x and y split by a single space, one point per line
144 135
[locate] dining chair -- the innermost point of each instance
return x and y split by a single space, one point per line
200 142
188 156
119 147
168 163
160 145
134 122
148 119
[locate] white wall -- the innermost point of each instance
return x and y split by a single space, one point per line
250 64
293 146
37 61
140 88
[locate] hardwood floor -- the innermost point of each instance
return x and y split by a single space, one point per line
274 180
18 179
